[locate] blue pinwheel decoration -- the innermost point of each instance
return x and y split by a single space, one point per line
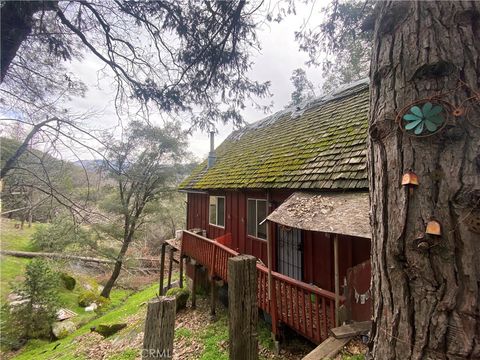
428 118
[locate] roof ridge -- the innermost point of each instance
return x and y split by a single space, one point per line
298 110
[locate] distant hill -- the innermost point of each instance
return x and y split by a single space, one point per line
90 165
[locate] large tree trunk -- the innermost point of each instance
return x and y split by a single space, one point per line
426 301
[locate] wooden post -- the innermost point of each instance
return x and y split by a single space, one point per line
194 286
337 281
170 268
272 298
213 298
159 329
162 268
180 281
243 309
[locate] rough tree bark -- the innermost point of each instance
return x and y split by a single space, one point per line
116 269
426 302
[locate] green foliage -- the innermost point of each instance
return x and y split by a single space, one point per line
107 330
68 281
68 349
304 89
60 235
33 317
183 333
87 297
353 357
341 44
12 268
130 354
264 335
143 167
181 296
212 337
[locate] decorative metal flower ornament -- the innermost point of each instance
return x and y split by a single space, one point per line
424 120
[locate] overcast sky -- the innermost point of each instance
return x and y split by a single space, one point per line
278 57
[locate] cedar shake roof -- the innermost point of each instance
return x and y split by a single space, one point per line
320 147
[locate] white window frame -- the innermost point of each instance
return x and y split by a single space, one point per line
256 224
216 206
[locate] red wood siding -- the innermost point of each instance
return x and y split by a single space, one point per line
318 247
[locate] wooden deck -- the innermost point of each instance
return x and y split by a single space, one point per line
307 309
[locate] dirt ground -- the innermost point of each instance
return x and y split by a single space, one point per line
193 322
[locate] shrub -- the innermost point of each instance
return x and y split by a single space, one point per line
108 330
33 317
86 298
181 296
60 234
68 281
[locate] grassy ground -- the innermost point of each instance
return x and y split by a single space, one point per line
66 349
11 268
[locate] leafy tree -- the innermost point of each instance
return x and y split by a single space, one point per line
304 89
61 235
179 55
143 167
32 318
342 43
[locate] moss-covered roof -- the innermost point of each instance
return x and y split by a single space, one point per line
320 147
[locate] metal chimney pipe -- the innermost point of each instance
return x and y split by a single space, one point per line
212 141
211 155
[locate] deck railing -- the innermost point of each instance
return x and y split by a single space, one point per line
307 309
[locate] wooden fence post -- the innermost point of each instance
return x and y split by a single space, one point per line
242 307
159 329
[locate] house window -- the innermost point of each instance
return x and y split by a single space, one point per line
217 211
256 213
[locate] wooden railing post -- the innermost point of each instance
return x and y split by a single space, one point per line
243 310
212 270
159 329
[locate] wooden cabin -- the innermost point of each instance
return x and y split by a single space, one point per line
291 190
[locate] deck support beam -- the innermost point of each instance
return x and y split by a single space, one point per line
337 279
272 297
180 280
194 285
170 267
162 268
213 298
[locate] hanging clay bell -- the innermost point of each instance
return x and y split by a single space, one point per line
410 179
433 228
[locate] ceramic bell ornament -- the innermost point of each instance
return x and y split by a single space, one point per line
433 228
410 179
